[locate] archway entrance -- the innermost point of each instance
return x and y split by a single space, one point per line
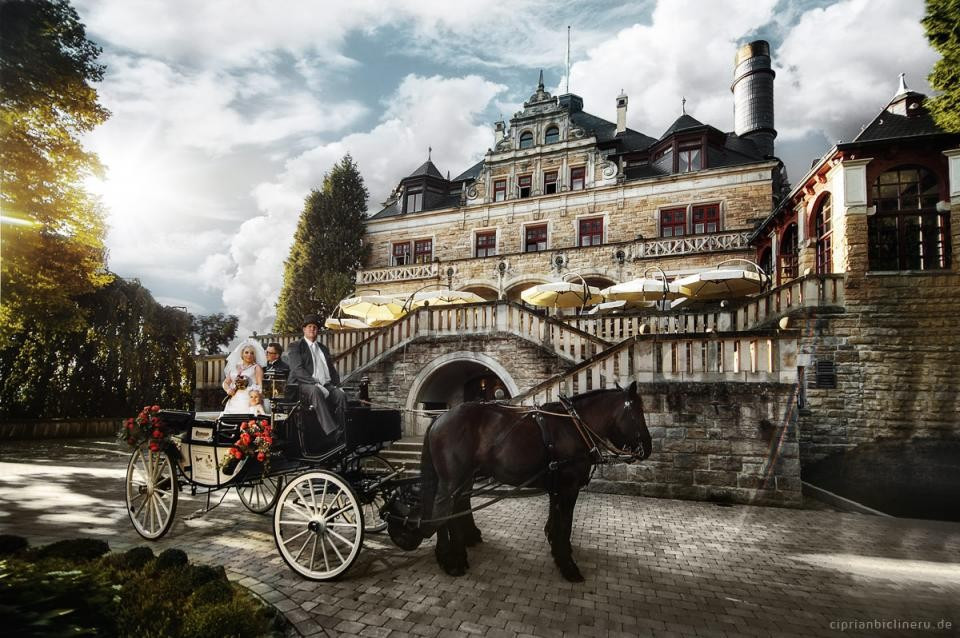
452 379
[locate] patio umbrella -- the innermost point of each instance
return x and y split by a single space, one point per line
442 298
726 282
642 289
562 294
345 323
375 310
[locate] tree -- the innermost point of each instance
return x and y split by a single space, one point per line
327 247
941 22
53 232
214 331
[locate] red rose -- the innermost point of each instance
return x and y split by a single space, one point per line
155 408
268 440
157 434
237 454
264 423
243 426
154 447
129 424
245 438
261 456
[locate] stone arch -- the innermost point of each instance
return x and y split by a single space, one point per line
425 375
515 286
486 288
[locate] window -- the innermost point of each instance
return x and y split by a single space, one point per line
787 257
526 139
552 135
577 175
665 158
591 231
706 219
688 159
486 243
908 233
414 201
524 184
550 182
499 190
673 222
823 231
401 253
422 251
535 238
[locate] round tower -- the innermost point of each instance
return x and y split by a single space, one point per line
753 95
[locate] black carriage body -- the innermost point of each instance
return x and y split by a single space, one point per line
202 445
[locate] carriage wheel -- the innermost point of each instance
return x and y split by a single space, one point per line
375 467
260 496
318 525
152 492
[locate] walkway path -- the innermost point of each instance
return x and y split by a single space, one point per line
653 567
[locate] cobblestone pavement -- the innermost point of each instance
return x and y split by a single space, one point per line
653 567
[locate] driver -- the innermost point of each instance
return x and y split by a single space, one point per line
311 368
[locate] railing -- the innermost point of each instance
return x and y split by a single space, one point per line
481 318
809 291
336 341
616 328
209 370
691 244
408 272
754 356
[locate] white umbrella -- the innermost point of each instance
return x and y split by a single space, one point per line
562 294
374 309
442 298
642 289
345 323
724 282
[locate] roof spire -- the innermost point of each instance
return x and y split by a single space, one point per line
683 105
903 84
540 81
429 152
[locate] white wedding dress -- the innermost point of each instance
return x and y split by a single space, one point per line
239 403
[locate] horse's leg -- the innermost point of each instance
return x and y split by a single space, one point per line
468 526
562 528
450 551
551 517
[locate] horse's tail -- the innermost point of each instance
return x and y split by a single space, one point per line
428 486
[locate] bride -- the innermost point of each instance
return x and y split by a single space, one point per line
244 372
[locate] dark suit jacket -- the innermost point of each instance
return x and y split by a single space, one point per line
278 368
301 363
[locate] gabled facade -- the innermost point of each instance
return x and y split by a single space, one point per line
562 190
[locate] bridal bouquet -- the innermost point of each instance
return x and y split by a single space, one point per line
255 439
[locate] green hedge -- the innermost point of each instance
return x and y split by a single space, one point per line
78 588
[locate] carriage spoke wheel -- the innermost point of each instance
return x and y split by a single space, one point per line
152 492
318 525
259 497
375 467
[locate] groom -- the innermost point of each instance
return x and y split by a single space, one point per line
311 368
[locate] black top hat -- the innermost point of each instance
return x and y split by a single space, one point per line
314 319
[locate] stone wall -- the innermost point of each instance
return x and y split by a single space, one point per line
896 350
730 442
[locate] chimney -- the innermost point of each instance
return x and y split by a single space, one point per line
621 112
753 95
499 131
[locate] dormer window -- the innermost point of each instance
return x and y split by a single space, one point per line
552 135
414 201
526 140
688 159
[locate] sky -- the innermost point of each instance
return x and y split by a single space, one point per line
226 114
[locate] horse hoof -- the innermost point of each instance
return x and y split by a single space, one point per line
472 539
455 570
572 573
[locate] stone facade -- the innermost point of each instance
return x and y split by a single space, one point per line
730 442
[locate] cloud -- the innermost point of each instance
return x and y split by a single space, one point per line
423 111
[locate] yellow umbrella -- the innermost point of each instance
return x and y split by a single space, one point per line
345 323
442 298
726 282
642 289
375 310
562 294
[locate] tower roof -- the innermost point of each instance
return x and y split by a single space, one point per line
681 123
427 169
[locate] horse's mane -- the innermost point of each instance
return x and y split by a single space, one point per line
556 406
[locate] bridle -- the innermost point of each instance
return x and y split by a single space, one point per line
597 444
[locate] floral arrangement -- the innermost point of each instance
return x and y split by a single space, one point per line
146 426
240 383
256 437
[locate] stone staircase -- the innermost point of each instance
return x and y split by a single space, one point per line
405 453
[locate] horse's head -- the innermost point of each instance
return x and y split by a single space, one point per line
629 430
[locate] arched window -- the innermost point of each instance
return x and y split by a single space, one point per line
907 232
823 231
526 139
787 255
552 135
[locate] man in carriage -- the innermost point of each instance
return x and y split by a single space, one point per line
317 381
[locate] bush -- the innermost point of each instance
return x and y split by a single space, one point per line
11 544
60 590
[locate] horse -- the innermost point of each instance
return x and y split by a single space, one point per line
551 448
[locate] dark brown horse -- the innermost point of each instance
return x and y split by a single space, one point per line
510 446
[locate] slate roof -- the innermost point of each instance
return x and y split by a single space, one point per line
427 169
887 126
470 173
682 123
390 210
